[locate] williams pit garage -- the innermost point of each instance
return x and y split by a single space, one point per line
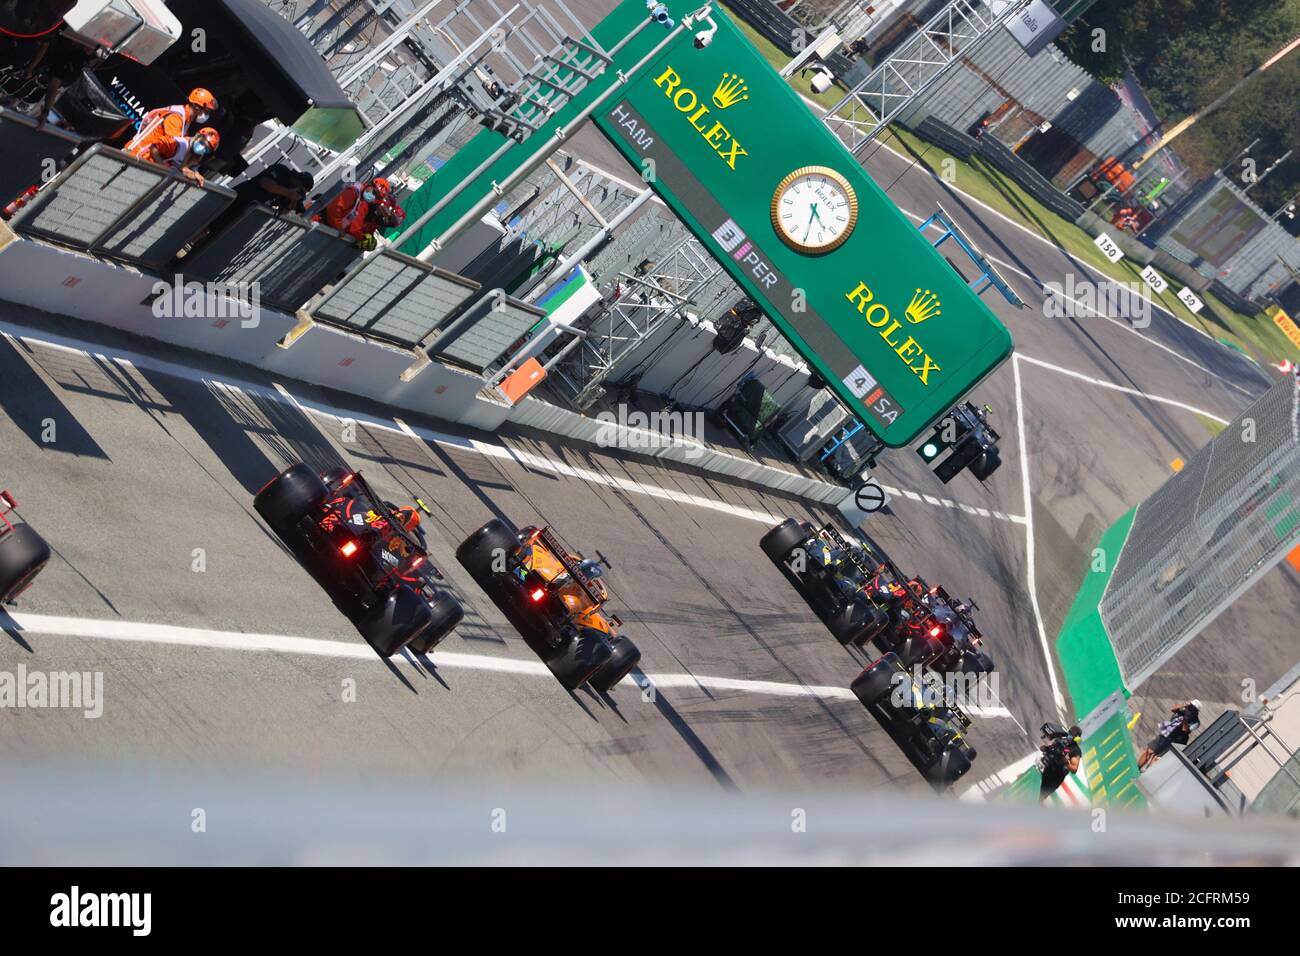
369 559
23 553
910 704
555 599
831 575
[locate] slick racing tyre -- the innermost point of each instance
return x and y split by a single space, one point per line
575 663
396 621
23 553
950 767
446 612
964 455
290 496
876 683
335 477
624 657
481 552
857 622
985 466
977 663
784 538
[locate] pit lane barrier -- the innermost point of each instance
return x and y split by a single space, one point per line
83 247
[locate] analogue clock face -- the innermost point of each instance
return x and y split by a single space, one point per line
814 209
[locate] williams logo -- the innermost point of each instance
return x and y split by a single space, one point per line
731 90
924 305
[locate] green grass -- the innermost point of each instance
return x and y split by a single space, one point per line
778 60
1210 424
1255 335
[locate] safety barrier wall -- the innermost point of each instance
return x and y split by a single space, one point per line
1228 516
289 258
534 413
118 207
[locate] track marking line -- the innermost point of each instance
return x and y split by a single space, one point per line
1102 383
279 392
170 634
1038 285
1031 579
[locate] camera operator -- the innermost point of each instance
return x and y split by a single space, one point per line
1061 755
1177 729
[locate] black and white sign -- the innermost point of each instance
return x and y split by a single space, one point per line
870 497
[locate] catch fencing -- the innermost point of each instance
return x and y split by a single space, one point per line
1207 534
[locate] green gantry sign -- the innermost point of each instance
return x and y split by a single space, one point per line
802 228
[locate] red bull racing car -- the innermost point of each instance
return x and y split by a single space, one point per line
23 553
366 553
555 599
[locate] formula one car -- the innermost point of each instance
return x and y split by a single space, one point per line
555 599
932 733
371 562
927 626
974 443
831 575
23 553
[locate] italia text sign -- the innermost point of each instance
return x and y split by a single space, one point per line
803 229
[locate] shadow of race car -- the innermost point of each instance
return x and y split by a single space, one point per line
23 552
932 733
554 599
831 575
375 570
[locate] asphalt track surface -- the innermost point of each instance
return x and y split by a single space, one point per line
159 456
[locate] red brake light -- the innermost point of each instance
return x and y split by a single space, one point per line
346 481
416 562
538 594
349 549
936 631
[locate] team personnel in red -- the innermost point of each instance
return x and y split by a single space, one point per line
361 209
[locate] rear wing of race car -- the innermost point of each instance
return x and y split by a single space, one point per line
548 538
966 617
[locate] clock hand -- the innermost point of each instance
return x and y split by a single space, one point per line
810 222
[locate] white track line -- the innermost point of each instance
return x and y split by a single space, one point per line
279 392
1031 581
169 634
1102 383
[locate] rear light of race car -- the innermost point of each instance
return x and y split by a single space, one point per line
936 630
348 549
347 480
537 594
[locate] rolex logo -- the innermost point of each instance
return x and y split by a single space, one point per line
924 305
731 90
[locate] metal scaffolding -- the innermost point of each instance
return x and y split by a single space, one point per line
896 82
639 300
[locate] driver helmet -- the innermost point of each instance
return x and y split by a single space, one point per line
591 568
407 517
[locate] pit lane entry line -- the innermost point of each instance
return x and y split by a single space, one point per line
170 634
